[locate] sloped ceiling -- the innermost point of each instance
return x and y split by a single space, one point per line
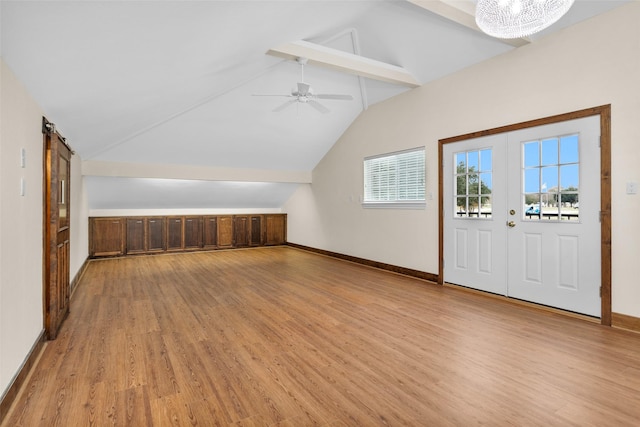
171 83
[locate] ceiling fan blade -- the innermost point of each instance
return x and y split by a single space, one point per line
318 106
285 105
334 96
303 89
267 94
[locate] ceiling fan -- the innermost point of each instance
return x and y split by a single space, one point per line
304 94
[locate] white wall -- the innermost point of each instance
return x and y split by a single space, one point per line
20 226
21 236
79 217
593 63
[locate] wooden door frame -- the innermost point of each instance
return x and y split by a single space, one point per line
604 111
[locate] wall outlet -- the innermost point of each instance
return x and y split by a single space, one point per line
632 187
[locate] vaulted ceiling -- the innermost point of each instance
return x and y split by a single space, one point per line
169 84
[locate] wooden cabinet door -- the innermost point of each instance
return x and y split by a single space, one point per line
225 231
175 233
155 235
241 230
192 232
275 229
107 236
210 232
135 236
255 238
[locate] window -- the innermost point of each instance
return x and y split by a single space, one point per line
550 174
395 179
474 182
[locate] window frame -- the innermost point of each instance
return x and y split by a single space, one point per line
397 203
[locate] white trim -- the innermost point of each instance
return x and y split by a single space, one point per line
394 153
419 205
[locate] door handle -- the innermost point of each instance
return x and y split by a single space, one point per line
511 224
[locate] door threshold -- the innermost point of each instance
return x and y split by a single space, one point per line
533 305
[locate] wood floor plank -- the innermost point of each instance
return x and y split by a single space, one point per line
282 337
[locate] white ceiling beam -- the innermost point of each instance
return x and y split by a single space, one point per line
168 171
461 12
345 62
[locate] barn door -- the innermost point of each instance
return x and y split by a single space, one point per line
57 171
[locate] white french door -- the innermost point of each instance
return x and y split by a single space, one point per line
521 214
475 213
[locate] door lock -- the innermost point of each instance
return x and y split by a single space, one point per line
512 212
511 224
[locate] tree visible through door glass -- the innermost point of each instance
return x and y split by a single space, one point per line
474 183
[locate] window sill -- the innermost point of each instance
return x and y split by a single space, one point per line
394 205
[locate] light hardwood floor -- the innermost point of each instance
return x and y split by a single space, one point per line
280 336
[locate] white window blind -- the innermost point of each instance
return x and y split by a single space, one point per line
395 177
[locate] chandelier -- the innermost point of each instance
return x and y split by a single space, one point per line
511 19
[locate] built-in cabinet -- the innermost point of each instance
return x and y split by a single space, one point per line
255 230
275 227
225 232
175 233
144 235
155 237
135 236
116 236
241 231
106 236
193 232
210 232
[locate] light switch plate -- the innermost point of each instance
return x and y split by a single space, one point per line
23 158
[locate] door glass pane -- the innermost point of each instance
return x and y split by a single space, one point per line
569 178
63 202
550 151
569 149
461 162
472 187
550 179
461 187
473 206
531 154
461 206
485 183
485 160
532 180
485 207
474 161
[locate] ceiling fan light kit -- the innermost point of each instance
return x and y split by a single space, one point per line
510 19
